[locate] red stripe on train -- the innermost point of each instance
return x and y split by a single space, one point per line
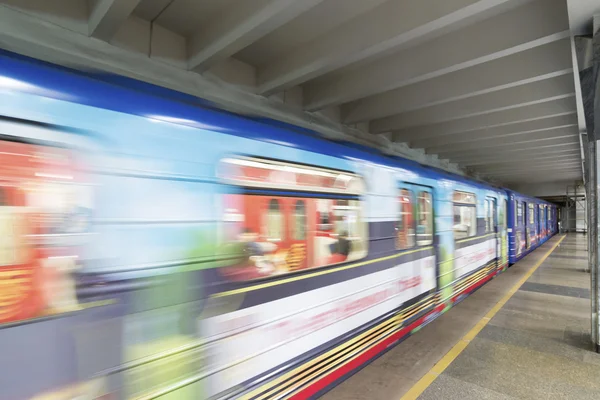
474 286
363 358
366 356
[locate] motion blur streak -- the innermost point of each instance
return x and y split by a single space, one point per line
214 256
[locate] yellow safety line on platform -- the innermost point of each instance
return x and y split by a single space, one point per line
458 348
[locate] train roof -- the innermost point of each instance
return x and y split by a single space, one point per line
134 97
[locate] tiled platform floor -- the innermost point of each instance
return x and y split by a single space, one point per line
536 347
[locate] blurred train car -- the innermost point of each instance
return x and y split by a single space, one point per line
155 247
533 222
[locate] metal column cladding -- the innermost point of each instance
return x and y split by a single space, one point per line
593 237
593 181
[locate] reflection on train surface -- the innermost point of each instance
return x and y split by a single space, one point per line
152 248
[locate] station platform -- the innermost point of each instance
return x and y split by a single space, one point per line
524 335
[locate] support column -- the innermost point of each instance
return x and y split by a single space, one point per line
590 85
592 199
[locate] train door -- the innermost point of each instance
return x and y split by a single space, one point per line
492 225
528 218
503 234
415 220
421 222
298 254
424 215
538 224
494 207
519 227
542 221
276 226
284 224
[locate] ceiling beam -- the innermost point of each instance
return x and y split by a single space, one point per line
543 91
107 16
519 180
151 10
525 150
496 147
524 170
550 164
517 139
384 29
503 131
243 24
537 177
575 169
473 160
529 66
535 171
500 118
502 35
498 162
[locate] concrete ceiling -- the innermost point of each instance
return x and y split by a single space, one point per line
484 87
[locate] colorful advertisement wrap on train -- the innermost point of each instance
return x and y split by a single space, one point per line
445 251
271 333
60 256
45 210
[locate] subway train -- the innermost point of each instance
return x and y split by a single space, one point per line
154 246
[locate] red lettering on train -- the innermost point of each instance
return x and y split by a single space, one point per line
297 325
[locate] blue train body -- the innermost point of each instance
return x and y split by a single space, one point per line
533 222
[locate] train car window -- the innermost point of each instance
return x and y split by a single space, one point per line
346 217
6 230
405 231
516 210
300 220
488 222
489 215
12 245
425 219
465 215
274 223
531 213
324 221
348 241
315 221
